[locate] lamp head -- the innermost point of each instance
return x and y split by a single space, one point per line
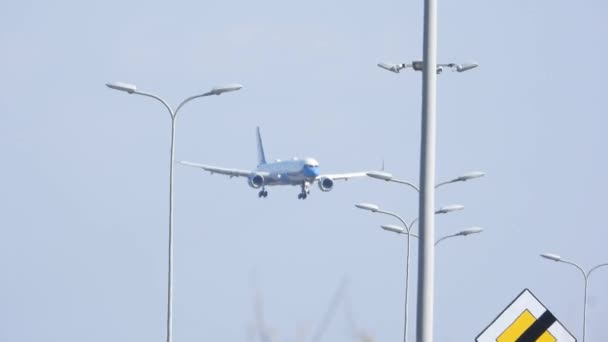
393 228
470 175
225 89
466 66
469 231
129 88
368 206
449 208
391 67
551 256
380 175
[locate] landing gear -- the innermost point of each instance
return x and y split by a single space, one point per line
305 191
263 193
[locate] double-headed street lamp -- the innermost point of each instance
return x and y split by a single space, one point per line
586 275
376 209
385 176
418 66
132 89
400 230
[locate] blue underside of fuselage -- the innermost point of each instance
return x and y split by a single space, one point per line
287 179
304 174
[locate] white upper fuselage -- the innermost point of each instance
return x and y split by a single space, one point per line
293 172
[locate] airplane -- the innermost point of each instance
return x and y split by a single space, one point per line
302 172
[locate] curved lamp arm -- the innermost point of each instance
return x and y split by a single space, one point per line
577 266
171 112
445 237
595 268
407 228
413 186
190 99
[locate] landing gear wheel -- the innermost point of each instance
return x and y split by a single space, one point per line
305 191
263 193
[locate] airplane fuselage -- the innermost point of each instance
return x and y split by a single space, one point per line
289 172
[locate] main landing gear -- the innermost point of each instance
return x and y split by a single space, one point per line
263 193
305 191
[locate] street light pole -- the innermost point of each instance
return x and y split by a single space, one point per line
407 265
375 209
426 259
586 276
132 89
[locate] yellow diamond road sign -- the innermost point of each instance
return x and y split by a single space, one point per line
525 320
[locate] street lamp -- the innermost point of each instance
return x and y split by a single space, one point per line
385 176
430 68
418 66
406 228
558 258
132 89
400 230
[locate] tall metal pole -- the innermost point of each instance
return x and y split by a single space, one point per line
407 265
426 260
170 271
584 293
173 115
585 307
407 281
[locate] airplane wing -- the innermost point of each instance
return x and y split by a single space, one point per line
344 176
220 170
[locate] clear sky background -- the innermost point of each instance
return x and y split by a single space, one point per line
85 169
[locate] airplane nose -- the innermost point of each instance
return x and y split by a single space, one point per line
311 172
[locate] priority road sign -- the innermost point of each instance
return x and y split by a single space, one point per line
526 319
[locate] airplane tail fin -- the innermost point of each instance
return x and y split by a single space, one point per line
261 156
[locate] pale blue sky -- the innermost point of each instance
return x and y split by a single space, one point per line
85 168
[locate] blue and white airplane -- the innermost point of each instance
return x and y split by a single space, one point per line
302 172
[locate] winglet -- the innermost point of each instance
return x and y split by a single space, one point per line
261 156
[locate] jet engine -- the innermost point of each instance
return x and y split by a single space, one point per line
256 181
326 184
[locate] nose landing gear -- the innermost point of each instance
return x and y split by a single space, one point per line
305 191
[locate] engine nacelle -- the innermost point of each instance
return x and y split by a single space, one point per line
326 184
256 181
